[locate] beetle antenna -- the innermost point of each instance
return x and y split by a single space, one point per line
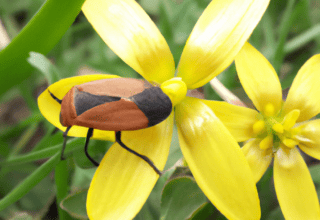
118 139
89 135
54 97
64 142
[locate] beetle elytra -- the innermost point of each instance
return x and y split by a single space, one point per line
114 104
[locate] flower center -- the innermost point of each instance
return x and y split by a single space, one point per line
176 89
275 129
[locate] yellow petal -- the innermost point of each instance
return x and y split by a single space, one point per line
217 37
305 90
129 32
309 138
295 190
238 120
50 108
216 161
259 79
258 159
123 181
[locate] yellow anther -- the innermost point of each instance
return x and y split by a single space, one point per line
258 127
278 128
290 119
266 143
269 109
290 143
176 89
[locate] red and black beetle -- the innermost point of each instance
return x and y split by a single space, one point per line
116 104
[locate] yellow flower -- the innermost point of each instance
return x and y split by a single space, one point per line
123 181
278 128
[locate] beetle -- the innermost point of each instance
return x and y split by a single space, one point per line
114 104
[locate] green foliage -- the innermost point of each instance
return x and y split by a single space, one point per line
41 33
44 65
288 34
75 204
180 198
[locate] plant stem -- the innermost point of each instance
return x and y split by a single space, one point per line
225 93
61 175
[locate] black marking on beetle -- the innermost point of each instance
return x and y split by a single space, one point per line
84 101
154 104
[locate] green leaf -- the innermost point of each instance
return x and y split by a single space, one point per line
14 130
11 178
150 6
82 178
176 21
267 193
302 39
289 71
96 149
148 211
315 173
81 160
22 216
61 175
175 152
23 140
44 65
43 31
72 145
284 28
39 196
181 171
75 204
227 78
276 214
51 138
31 181
180 198
302 8
205 211
164 23
151 209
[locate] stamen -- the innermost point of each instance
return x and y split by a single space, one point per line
278 128
266 143
258 127
290 119
290 143
269 109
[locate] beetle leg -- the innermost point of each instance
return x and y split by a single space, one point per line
89 135
64 142
118 139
